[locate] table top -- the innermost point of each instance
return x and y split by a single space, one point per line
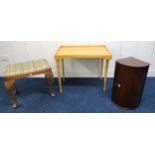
95 51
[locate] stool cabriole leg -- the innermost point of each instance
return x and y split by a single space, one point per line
50 79
9 84
15 89
46 79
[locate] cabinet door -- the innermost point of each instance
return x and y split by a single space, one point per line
128 85
118 85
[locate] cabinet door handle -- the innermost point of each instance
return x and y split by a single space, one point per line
118 85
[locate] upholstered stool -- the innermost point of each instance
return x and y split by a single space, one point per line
23 70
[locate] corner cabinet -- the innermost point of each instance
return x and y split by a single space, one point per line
129 81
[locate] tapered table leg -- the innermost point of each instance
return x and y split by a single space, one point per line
102 66
63 69
105 75
59 75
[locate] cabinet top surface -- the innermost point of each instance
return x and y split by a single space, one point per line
132 62
96 51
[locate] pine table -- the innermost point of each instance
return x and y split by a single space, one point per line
99 52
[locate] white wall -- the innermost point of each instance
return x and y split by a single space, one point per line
19 51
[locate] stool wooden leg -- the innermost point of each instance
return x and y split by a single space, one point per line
46 78
9 86
15 89
51 78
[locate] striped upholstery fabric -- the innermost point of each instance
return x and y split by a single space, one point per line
30 67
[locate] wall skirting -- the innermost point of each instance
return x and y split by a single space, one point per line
151 73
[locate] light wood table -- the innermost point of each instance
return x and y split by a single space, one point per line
100 52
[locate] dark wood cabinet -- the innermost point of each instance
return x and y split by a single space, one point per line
129 81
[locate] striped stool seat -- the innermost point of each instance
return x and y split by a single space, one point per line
26 69
23 70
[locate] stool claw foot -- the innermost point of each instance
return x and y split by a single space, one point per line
15 105
10 87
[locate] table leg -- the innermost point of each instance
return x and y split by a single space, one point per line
9 86
105 75
102 66
59 76
63 68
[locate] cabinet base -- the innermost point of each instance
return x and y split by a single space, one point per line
125 108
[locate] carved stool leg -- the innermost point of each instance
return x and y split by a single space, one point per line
15 90
51 78
46 78
9 86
